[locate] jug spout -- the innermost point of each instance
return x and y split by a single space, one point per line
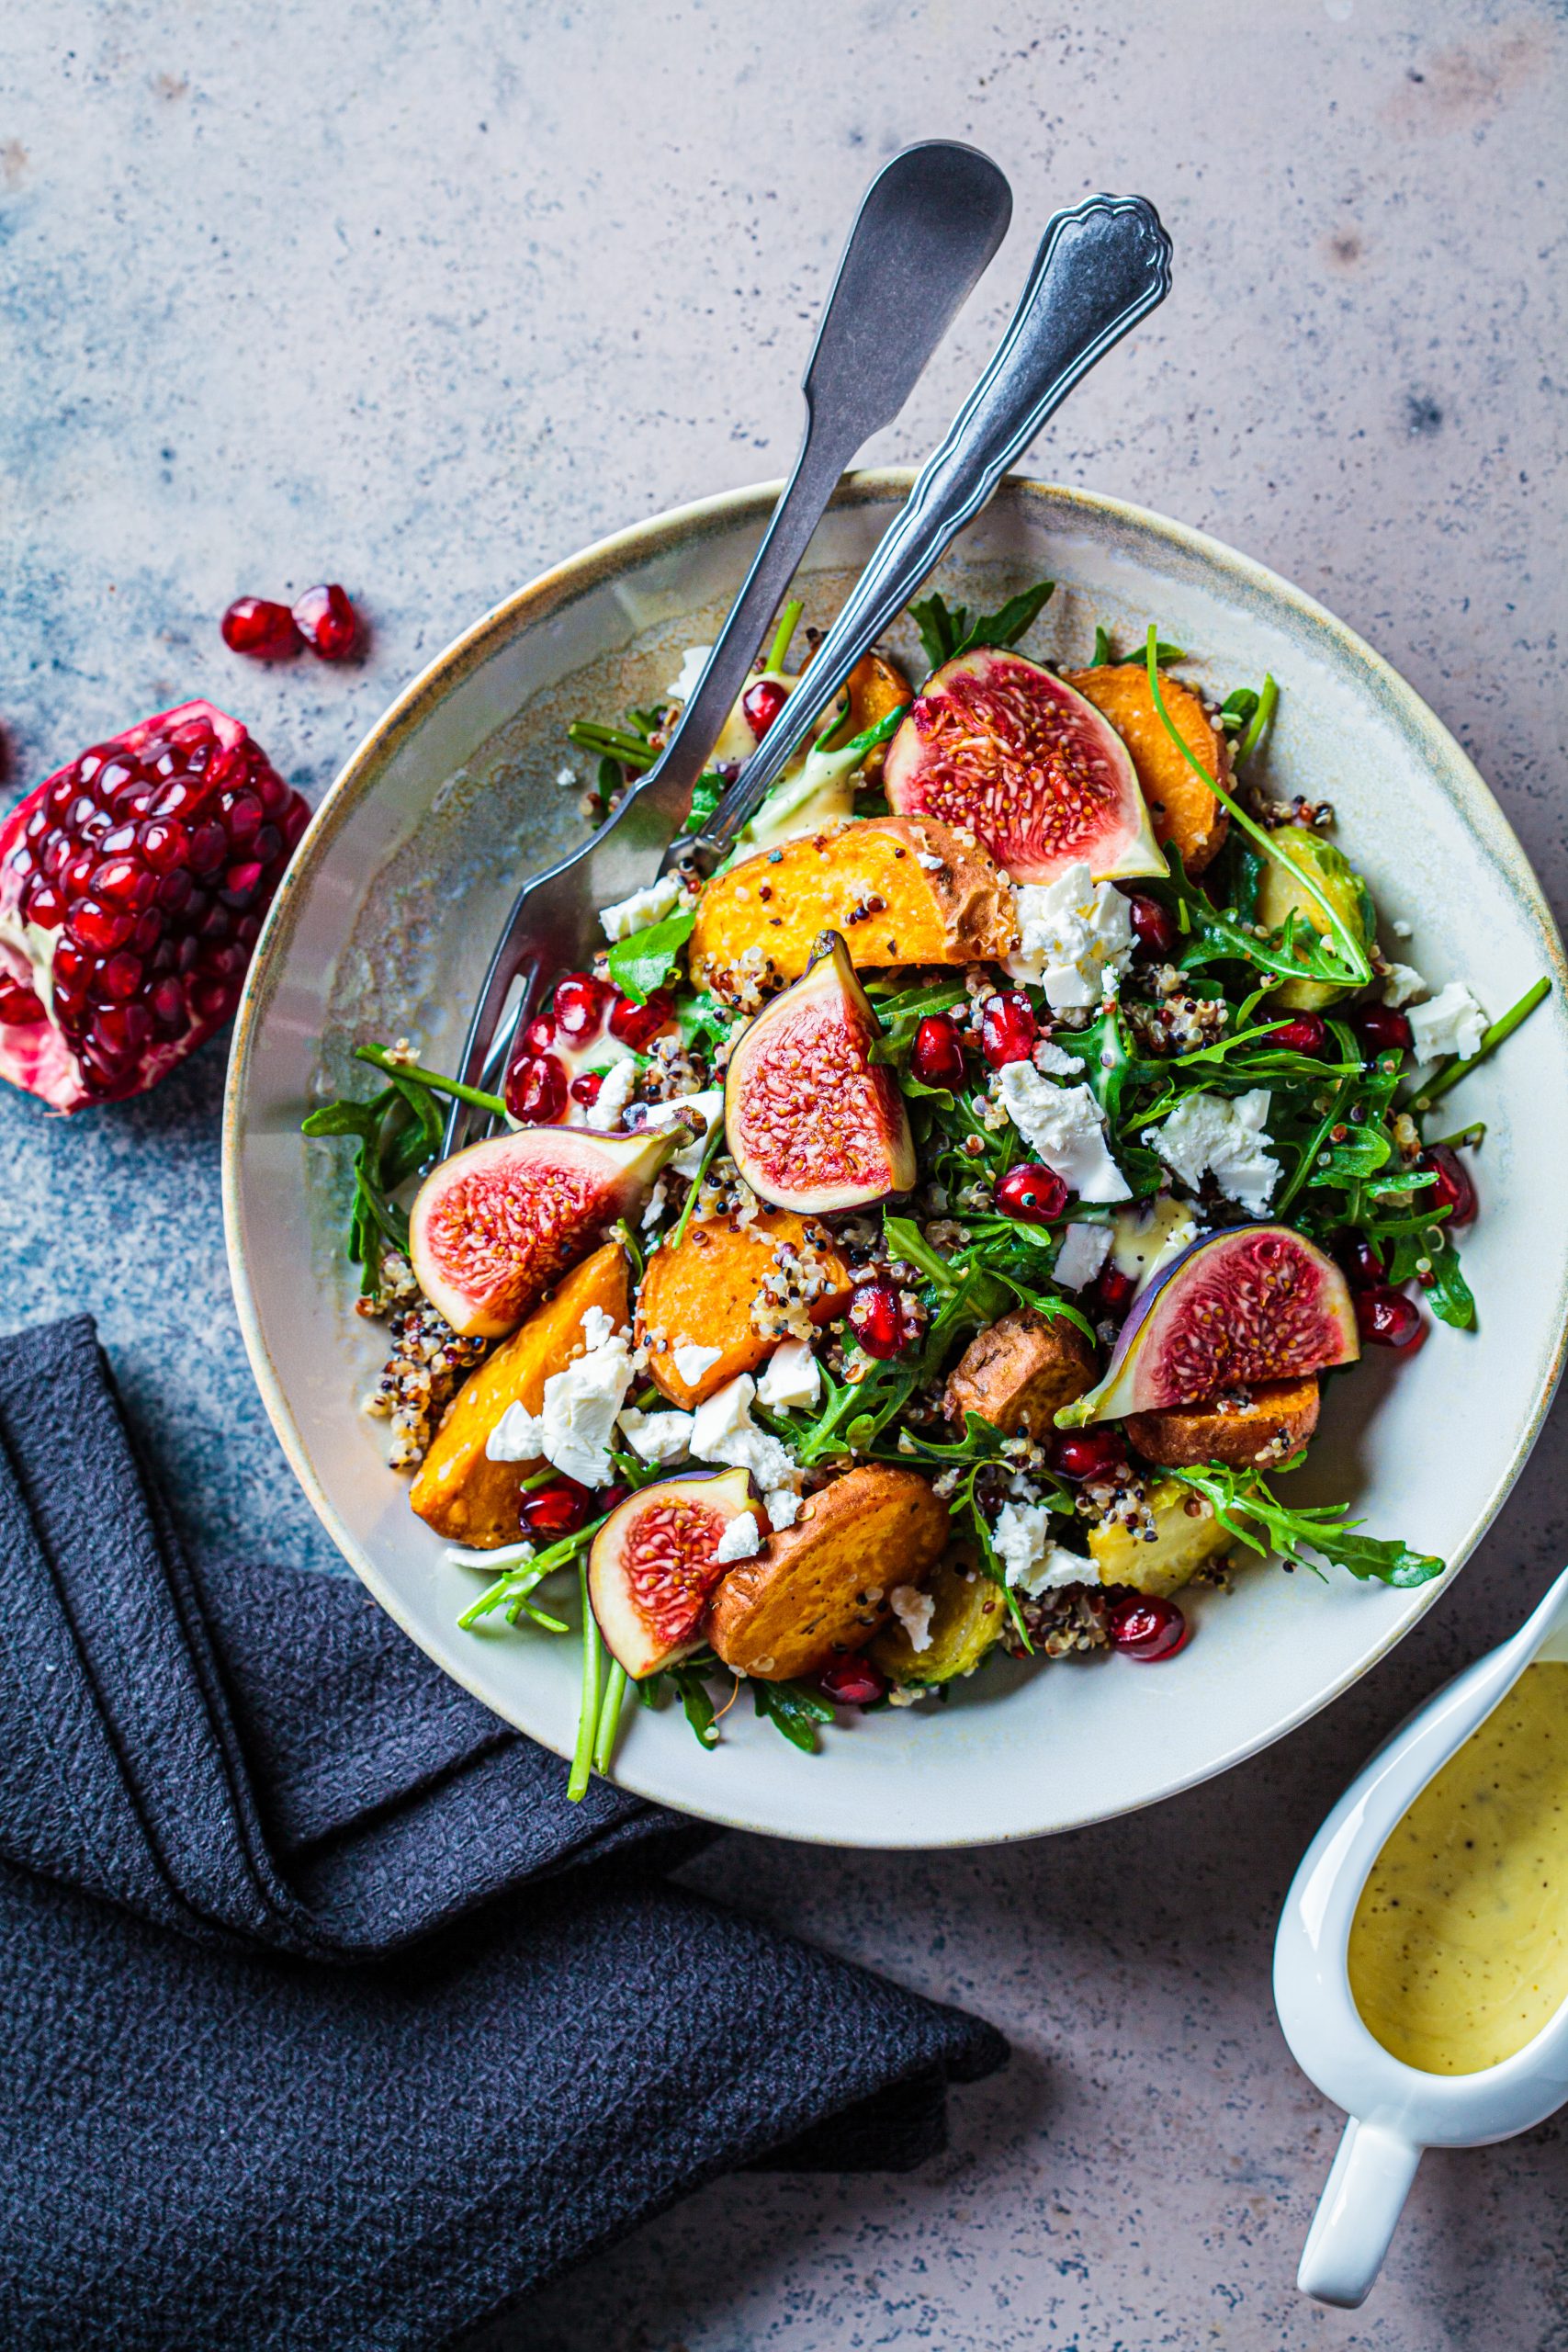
1356 2215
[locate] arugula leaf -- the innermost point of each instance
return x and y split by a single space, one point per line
940 629
946 632
1448 1293
696 1703
706 794
1102 655
644 962
1244 1502
793 1708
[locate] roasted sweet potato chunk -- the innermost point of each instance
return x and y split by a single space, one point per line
819 1589
1019 1373
1180 807
900 890
1268 1424
458 1490
877 688
711 1291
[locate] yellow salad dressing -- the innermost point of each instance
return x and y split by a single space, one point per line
1459 1948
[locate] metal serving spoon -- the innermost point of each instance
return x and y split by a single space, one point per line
929 224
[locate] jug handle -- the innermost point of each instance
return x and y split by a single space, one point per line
1356 2215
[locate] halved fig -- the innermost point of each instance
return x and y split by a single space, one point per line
493 1226
653 1566
813 1123
1012 751
1254 1303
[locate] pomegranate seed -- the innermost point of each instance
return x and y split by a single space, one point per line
100 928
1387 1318
175 890
240 882
609 1499
45 906
1112 1292
937 1056
1034 1193
241 815
327 622
125 881
1453 1190
251 625
213 1001
19 1005
876 1318
1305 1035
1087 1454
1154 928
851 1683
1383 1029
535 1091
762 704
637 1025
585 1086
560 1508
1147 1627
580 1001
1006 1028
120 978
168 1003
1363 1264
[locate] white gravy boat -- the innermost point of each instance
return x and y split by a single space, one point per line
1396 2110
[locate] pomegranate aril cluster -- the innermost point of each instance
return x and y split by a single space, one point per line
543 1087
324 618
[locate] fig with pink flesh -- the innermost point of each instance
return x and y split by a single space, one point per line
1012 751
1254 1303
655 1565
493 1226
812 1124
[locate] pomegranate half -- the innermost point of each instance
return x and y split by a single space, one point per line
493 1226
1254 1303
812 1124
1012 751
653 1568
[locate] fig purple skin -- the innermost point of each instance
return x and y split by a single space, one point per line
1253 1302
1024 761
812 1124
651 1571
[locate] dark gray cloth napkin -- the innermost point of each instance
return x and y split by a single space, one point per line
325 2020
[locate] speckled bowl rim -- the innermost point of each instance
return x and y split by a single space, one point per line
661 534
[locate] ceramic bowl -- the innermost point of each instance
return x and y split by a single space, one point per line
383 928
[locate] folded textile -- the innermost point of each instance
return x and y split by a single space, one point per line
327 2020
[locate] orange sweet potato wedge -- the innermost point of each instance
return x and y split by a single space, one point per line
819 1589
708 1291
1181 809
901 890
876 687
1267 1426
458 1491
1019 1372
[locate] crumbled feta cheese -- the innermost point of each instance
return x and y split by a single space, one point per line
1064 1125
1049 1056
741 1538
655 1209
1452 1023
1081 1255
644 907
1022 1540
914 1610
692 1361
657 1436
1403 984
683 686
566 778
581 1403
1227 1138
1147 1238
616 1091
792 1376
1075 935
927 861
724 1431
783 1507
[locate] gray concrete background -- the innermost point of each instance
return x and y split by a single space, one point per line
422 299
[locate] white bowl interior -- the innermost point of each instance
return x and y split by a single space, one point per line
383 930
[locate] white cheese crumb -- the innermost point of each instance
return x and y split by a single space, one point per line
1064 1125
1452 1023
655 1209
792 1376
741 1538
566 778
1400 929
932 865
1032 1561
1050 1057
914 1610
644 907
1227 1138
724 1431
657 1436
692 1361
1075 937
781 1505
578 1420
1082 1254
1403 984
694 661
616 1091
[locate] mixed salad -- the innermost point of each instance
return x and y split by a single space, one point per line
927 1239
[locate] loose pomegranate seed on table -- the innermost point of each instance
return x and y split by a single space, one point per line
637 1025
937 1056
1034 1193
762 704
265 631
1305 1035
134 881
1145 1626
1008 1028
876 1318
327 622
851 1683
1383 1029
1453 1191
1087 1454
1155 928
560 1508
535 1089
1387 1320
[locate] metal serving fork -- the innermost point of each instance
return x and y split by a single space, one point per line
927 227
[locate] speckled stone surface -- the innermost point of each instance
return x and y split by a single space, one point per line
422 301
